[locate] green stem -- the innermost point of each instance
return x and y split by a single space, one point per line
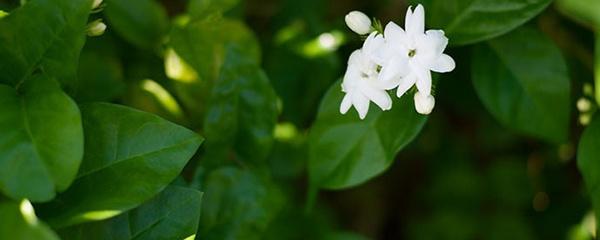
597 67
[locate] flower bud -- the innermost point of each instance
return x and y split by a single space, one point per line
358 22
96 28
96 4
584 105
424 103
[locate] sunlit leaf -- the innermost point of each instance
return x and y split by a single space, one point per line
129 157
172 214
46 34
41 144
20 223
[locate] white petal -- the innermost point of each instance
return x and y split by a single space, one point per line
390 84
424 103
430 46
415 22
346 103
379 97
374 48
361 103
396 67
423 77
443 64
354 57
394 33
406 83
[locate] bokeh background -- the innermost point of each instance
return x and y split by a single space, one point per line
464 177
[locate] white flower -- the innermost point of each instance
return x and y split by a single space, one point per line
361 81
96 28
415 49
358 22
424 103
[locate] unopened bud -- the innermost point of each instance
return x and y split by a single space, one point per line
358 22
424 103
584 105
585 119
96 4
96 28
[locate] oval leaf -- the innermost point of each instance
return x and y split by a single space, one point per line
471 21
144 23
345 151
238 204
130 156
41 144
44 33
173 214
587 161
20 223
522 80
242 111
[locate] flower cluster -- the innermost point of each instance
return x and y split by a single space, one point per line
395 59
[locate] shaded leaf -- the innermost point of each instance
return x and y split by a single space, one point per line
144 23
242 111
471 21
522 80
238 204
345 151
587 161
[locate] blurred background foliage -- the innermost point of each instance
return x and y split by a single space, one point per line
464 177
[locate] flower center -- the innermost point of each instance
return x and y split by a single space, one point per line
412 52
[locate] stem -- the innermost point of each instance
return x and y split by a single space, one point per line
597 67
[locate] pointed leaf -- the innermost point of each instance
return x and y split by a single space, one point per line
130 156
345 151
522 79
173 214
471 21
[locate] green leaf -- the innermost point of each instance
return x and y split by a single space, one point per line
345 151
201 8
522 79
587 161
46 34
201 45
173 214
20 223
100 72
471 21
41 144
238 204
130 156
144 23
584 11
242 111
